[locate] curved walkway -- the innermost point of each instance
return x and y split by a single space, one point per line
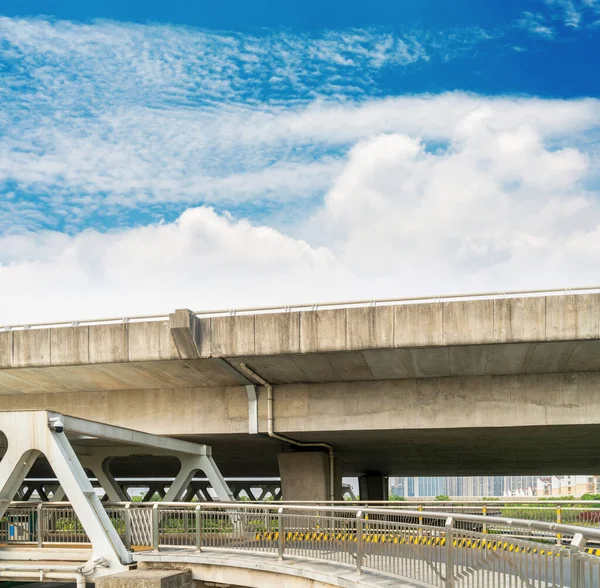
258 571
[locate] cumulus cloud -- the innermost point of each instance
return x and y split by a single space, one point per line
484 212
498 206
201 259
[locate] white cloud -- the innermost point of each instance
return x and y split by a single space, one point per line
408 195
107 115
574 13
143 157
200 259
498 207
570 11
536 24
112 118
75 63
467 212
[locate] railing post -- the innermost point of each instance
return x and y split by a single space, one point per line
281 533
155 527
558 521
449 553
199 525
127 518
577 571
40 525
484 513
359 541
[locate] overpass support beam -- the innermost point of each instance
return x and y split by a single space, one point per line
305 476
373 487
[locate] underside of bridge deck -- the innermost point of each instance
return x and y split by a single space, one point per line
468 451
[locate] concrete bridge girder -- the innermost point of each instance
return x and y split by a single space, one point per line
444 387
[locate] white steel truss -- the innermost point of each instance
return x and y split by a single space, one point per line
33 433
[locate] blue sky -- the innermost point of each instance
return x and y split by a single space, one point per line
156 155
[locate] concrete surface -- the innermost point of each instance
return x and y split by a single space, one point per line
477 337
477 425
482 386
147 579
256 571
305 475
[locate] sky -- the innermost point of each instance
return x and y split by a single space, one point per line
161 155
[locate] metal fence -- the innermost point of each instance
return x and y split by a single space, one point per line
443 549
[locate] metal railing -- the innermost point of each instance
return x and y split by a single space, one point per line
584 513
442 549
303 307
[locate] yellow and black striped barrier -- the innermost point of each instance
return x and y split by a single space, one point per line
464 543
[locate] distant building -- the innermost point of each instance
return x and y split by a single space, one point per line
418 486
568 485
463 486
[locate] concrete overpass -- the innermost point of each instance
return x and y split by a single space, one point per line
458 385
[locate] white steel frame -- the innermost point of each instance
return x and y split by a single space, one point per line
33 433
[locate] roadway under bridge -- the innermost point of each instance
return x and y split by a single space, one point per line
489 384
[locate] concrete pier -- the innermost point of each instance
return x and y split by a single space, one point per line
373 487
305 475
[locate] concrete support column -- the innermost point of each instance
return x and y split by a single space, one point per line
373 487
305 476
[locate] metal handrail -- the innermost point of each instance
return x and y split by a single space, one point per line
304 307
441 549
297 507
458 517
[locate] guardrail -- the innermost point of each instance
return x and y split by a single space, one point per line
443 549
570 512
303 307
